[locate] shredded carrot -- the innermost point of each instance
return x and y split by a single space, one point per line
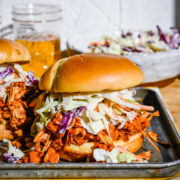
168 37
143 107
153 136
145 155
150 141
2 81
122 107
114 112
95 43
96 109
107 104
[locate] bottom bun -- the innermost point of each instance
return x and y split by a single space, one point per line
133 144
74 152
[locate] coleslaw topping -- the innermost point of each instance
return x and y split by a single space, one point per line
13 154
12 74
99 109
138 42
116 156
96 120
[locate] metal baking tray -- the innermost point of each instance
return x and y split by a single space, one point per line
163 164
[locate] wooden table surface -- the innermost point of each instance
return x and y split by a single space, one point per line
171 98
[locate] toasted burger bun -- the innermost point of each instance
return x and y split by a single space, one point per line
13 52
133 144
74 152
91 73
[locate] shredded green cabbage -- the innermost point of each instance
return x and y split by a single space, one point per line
47 107
126 157
113 157
33 127
97 115
41 119
117 111
131 101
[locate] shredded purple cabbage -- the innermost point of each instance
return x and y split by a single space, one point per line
6 72
126 49
175 40
78 111
162 36
10 158
139 36
67 118
133 49
31 79
123 35
107 44
171 39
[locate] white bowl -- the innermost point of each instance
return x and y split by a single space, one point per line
156 66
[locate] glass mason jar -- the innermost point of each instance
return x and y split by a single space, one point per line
36 26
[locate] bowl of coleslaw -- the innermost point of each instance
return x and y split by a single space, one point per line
155 52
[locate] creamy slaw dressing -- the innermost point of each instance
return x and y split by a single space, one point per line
141 40
100 110
92 120
13 150
113 156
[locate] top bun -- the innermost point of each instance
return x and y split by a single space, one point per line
13 52
91 72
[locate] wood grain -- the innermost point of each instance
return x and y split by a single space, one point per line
171 98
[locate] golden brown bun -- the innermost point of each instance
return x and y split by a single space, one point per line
13 52
91 73
133 144
74 152
86 148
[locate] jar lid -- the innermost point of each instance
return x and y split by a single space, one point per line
36 13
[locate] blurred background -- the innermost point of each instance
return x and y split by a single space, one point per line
83 16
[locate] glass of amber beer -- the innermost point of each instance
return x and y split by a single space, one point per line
36 26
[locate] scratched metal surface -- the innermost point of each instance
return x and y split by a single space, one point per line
163 164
